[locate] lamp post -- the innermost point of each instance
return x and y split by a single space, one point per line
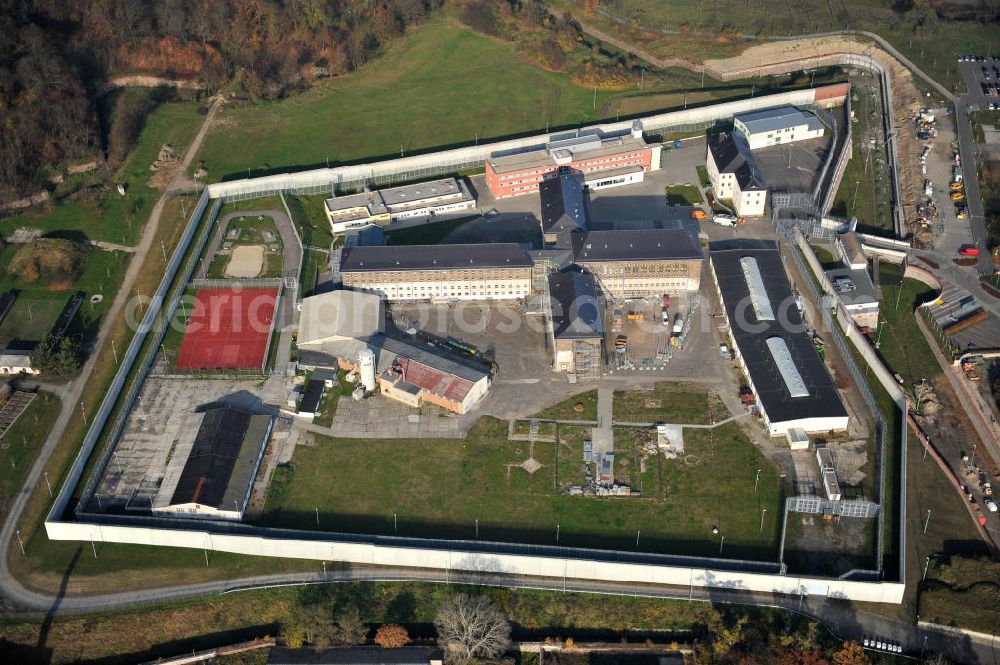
20 542
928 520
927 565
756 481
762 513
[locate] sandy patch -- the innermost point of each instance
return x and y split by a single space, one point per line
245 261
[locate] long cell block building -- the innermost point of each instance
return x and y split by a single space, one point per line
499 271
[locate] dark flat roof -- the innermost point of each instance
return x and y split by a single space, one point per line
434 257
220 466
752 334
576 310
635 245
311 397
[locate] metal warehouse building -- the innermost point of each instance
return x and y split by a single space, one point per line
792 384
215 477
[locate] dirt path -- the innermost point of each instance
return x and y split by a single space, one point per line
144 81
10 587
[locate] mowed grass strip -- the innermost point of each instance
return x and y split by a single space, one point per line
439 488
441 85
668 402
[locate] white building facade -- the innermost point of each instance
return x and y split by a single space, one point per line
777 126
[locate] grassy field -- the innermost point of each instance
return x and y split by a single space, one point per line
358 485
104 214
427 234
565 410
21 444
683 195
385 106
31 319
902 345
863 191
669 403
929 41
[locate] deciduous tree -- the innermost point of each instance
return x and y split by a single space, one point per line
471 627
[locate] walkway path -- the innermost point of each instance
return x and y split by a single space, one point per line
602 436
10 588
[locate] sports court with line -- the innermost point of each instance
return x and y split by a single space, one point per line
228 329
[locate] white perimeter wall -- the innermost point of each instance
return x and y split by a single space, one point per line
512 564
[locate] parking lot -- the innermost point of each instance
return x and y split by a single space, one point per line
982 79
950 232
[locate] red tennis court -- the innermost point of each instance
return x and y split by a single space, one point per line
228 329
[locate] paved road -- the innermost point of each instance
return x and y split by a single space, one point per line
10 588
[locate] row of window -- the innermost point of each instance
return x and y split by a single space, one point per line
611 161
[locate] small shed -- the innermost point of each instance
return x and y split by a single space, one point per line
797 438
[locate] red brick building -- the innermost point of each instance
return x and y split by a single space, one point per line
603 161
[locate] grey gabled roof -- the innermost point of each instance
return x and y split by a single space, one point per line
434 257
563 206
576 310
635 245
773 119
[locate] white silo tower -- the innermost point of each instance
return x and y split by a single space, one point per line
366 361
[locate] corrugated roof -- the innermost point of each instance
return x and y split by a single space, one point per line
222 461
635 245
576 309
434 257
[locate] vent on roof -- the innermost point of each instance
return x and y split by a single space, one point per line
758 294
786 365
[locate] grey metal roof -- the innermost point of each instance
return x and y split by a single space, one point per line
576 309
421 191
434 257
635 245
774 119
222 462
752 335
864 289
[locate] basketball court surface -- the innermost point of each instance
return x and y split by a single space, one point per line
228 329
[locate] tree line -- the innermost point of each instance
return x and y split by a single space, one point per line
55 55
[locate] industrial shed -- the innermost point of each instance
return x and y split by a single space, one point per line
215 478
791 382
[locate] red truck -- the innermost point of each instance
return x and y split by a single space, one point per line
969 251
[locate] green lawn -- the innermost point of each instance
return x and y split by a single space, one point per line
565 410
427 234
864 189
31 319
683 195
703 178
669 403
902 345
105 215
23 441
440 488
480 87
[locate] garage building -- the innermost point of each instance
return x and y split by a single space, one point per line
770 341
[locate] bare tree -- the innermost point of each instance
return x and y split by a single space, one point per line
471 627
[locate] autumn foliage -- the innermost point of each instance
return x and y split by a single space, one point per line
392 636
55 259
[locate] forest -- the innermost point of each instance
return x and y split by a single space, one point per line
59 56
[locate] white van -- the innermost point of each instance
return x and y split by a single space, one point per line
724 220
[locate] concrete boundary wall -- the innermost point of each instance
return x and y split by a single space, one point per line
423 553
510 564
923 276
475 156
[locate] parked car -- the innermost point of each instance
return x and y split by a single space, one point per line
990 504
665 316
